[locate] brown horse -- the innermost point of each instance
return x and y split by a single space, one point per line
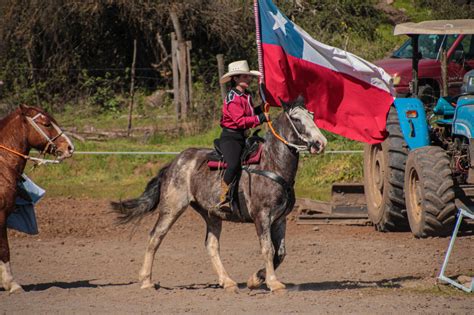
25 128
266 196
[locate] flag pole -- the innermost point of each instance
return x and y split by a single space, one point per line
258 36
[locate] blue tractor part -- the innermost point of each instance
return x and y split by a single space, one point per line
463 121
412 120
414 177
438 174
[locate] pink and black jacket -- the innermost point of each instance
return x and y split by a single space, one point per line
238 112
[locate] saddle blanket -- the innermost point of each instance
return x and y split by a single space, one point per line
254 158
23 219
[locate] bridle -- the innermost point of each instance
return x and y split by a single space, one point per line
50 141
297 147
34 124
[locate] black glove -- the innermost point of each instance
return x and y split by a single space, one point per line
258 110
263 118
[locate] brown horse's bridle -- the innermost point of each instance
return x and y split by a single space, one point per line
41 132
50 141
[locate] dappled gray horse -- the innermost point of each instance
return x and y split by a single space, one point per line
265 192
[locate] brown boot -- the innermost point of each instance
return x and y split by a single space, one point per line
224 202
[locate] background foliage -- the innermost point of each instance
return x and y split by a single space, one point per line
52 51
62 44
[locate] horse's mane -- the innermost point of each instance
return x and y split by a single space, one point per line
10 116
4 121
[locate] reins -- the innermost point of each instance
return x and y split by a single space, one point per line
38 161
298 148
26 157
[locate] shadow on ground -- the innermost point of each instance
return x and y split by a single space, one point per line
312 286
69 285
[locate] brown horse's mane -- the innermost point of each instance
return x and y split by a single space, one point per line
6 119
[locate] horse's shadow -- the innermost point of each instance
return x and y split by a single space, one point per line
313 286
349 284
309 286
68 285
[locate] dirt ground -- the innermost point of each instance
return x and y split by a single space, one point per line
82 263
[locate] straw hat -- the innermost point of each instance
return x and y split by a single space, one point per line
237 68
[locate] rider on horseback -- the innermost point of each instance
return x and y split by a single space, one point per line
238 115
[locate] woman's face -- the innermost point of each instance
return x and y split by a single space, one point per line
243 80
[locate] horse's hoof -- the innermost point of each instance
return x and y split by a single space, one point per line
229 285
15 288
147 284
254 282
276 286
231 289
280 291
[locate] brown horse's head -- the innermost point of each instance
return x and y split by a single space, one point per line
44 134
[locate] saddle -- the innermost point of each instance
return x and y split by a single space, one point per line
250 155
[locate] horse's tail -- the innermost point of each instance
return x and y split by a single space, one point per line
134 209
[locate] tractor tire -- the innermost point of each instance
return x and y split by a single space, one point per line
429 192
384 173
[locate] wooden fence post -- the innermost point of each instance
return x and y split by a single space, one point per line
189 46
174 57
132 88
220 71
183 93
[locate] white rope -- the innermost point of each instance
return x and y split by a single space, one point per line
39 161
176 153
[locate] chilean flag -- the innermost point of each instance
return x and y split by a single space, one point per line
348 95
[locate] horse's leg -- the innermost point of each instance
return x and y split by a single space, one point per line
268 251
167 218
278 239
5 271
214 227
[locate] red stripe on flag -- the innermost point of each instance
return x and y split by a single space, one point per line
341 103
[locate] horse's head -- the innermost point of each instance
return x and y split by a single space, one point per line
44 134
304 126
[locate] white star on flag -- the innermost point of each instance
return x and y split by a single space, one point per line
280 21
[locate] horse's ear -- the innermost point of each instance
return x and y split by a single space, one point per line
300 101
284 104
23 109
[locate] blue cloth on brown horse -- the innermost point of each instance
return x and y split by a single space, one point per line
23 219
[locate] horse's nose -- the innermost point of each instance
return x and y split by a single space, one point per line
70 148
315 147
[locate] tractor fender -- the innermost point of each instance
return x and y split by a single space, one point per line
463 122
412 117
